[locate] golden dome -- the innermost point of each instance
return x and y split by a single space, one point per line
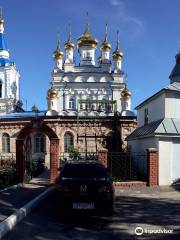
69 45
126 93
105 45
87 39
58 54
52 93
117 54
1 20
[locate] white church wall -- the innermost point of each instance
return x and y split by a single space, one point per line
172 105
165 149
165 159
156 110
140 145
175 163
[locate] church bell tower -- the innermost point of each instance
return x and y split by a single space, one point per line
9 77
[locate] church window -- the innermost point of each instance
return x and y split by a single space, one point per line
88 55
0 89
68 141
109 108
72 103
92 107
39 143
104 105
88 104
5 143
81 106
146 116
100 108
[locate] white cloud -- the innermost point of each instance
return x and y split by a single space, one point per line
115 2
122 14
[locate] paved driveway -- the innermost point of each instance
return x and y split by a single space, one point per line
150 209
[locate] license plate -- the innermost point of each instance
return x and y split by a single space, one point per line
83 205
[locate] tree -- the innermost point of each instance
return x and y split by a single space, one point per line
73 152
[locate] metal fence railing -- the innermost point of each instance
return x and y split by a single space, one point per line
81 156
124 166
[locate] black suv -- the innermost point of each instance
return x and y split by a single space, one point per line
84 186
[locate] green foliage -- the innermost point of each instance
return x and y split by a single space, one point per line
73 152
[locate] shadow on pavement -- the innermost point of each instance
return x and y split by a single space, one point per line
130 212
13 199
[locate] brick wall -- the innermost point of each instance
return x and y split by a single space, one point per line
103 157
153 166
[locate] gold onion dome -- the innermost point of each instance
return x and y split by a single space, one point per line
87 39
69 44
58 54
105 45
126 93
117 54
52 93
1 18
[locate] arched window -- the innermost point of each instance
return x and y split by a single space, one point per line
68 141
104 104
5 143
71 103
0 89
88 104
39 143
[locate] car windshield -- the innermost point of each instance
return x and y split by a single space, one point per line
83 171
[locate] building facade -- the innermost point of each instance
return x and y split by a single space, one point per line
161 129
89 104
87 88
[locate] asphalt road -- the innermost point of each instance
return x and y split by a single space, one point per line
155 210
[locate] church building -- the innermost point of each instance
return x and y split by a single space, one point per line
88 104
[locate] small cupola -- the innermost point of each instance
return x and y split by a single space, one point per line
175 74
52 93
4 51
69 47
117 56
126 93
86 45
105 49
58 56
105 46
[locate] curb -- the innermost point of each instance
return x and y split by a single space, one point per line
9 223
11 187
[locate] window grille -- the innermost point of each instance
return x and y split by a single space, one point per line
5 143
68 141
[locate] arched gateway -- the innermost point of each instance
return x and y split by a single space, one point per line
21 141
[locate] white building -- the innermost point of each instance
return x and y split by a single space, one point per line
9 78
88 89
158 127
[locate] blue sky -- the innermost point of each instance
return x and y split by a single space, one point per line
149 32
